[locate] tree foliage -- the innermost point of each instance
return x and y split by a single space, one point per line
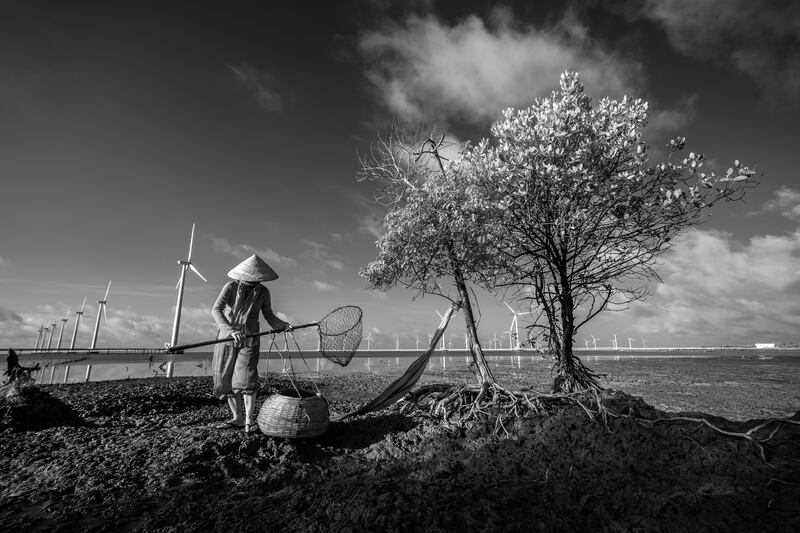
584 212
435 239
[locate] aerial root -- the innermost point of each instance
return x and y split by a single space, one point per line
493 403
751 435
490 402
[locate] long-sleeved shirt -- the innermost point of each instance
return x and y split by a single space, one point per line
262 304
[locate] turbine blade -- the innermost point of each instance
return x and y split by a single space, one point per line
105 313
68 310
107 289
197 272
83 304
509 307
177 285
191 242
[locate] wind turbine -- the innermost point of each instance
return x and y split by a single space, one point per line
587 343
63 325
50 337
44 336
100 309
510 338
77 325
495 340
39 338
644 344
185 265
515 325
630 346
614 341
368 338
594 341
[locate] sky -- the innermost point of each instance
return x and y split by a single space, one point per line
124 123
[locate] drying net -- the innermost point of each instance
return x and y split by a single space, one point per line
340 334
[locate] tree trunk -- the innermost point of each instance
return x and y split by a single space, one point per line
482 371
571 374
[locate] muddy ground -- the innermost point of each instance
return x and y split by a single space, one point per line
142 455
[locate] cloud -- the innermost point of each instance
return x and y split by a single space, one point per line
243 251
786 202
319 252
664 123
381 296
9 316
323 285
257 83
371 224
370 216
714 287
335 264
426 69
757 39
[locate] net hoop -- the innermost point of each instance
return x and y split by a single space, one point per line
340 334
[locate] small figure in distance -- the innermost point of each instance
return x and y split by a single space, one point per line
17 372
235 363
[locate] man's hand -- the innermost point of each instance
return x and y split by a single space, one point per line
238 339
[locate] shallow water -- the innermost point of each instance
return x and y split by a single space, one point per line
737 384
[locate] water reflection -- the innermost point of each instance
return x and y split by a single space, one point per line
80 368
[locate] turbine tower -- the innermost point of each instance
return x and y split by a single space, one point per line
510 338
63 325
515 325
50 337
44 336
100 309
397 343
417 342
77 325
185 265
39 338
368 338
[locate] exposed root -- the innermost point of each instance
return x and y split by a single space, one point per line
499 406
751 435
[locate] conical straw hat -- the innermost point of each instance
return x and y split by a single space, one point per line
253 269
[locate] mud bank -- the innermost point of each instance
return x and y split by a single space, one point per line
144 456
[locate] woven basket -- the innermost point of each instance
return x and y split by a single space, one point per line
288 415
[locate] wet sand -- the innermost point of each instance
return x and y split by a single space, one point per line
142 455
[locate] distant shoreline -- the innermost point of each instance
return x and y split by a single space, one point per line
136 353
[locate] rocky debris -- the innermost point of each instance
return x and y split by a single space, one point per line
150 459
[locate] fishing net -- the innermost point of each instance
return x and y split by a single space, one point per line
340 334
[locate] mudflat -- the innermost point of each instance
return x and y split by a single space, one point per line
143 455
